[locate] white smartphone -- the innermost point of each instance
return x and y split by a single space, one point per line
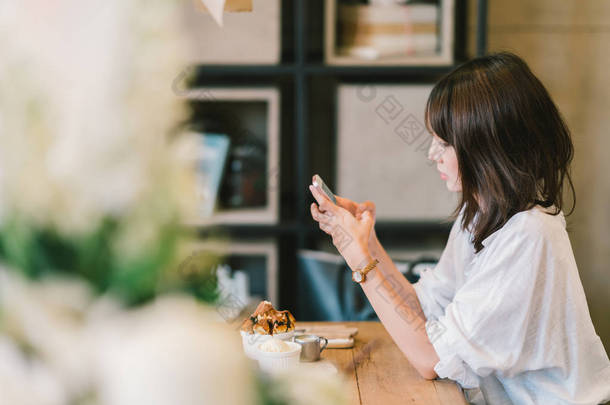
318 182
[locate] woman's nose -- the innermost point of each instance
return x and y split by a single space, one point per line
433 152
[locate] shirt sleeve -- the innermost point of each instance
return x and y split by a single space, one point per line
485 326
436 286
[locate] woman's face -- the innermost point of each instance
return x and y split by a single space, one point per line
446 162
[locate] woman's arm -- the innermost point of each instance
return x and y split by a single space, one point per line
391 295
397 306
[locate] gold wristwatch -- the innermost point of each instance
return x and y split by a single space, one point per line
359 276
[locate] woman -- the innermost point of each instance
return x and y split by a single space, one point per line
503 313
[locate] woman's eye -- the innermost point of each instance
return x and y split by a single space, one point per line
441 142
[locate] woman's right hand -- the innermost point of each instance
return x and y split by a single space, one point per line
356 209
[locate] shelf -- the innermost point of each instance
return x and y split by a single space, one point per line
258 259
422 28
249 119
399 175
246 230
347 70
234 41
402 227
308 126
319 69
244 70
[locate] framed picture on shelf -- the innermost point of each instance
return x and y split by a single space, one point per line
389 32
247 272
239 173
382 152
210 165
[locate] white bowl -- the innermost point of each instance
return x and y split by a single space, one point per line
251 340
278 361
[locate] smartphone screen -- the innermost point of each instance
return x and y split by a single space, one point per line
318 182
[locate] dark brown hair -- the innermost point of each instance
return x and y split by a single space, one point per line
513 148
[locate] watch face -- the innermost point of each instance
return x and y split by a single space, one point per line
357 276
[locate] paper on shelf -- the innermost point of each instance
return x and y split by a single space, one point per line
217 7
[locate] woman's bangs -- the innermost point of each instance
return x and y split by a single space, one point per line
437 113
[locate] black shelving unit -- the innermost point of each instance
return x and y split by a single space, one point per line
308 117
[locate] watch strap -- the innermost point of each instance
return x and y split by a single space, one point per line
372 264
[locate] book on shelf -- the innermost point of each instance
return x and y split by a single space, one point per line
210 167
375 31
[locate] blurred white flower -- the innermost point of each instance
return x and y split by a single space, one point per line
59 345
48 318
85 109
26 381
172 352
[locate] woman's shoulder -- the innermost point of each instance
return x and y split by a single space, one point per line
537 223
533 240
539 219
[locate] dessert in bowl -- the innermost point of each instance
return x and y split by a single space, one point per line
277 355
264 324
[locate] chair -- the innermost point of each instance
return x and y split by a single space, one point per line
326 291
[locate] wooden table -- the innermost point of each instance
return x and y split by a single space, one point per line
379 373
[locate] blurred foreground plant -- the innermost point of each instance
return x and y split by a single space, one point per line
91 184
93 189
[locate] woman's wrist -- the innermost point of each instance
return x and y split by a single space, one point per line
360 259
373 243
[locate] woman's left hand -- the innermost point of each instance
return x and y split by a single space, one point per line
349 234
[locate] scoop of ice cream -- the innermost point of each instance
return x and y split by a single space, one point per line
274 345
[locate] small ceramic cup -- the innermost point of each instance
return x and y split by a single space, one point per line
272 362
311 346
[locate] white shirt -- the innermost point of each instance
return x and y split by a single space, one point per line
511 324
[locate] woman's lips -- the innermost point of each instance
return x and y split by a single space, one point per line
443 176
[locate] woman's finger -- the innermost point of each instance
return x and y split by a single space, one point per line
318 215
324 221
313 208
365 206
326 206
347 204
324 203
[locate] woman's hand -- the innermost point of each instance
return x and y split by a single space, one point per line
356 209
349 225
